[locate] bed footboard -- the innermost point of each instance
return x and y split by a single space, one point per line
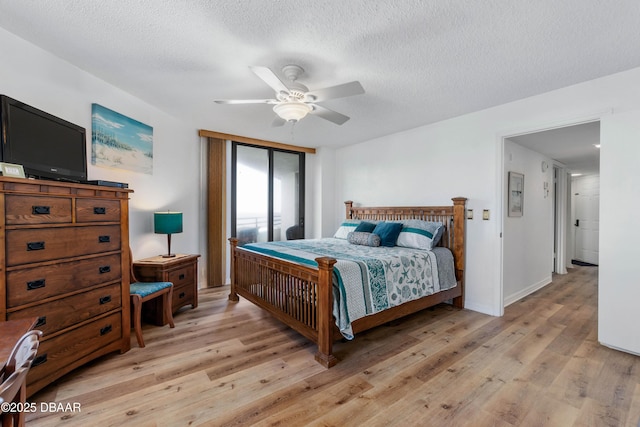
297 295
302 296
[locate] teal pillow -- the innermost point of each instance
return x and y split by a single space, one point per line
365 227
388 232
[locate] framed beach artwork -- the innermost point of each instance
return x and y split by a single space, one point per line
120 142
516 194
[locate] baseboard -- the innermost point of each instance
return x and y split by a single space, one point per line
624 350
582 263
527 291
480 308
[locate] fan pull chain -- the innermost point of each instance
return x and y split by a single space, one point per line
293 137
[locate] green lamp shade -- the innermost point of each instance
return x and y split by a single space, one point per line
167 222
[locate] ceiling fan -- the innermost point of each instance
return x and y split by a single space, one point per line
293 100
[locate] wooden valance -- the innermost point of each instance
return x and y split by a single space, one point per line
253 141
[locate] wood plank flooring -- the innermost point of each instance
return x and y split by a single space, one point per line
229 364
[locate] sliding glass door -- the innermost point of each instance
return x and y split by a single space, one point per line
267 194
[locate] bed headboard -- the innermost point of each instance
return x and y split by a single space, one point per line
453 217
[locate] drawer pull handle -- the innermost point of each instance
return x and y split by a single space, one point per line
39 360
42 320
104 269
181 295
40 210
106 330
99 210
36 284
35 246
181 277
105 300
104 239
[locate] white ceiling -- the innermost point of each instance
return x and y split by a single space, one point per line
420 61
573 146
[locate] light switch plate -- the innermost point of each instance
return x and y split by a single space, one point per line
485 214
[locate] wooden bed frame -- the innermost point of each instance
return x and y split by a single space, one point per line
301 296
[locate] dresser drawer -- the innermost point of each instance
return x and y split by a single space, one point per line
35 245
35 284
64 312
37 210
97 210
57 353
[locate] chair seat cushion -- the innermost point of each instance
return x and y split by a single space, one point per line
147 288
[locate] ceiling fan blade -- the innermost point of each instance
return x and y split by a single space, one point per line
339 91
278 121
245 101
327 114
269 78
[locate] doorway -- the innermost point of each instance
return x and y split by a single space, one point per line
529 260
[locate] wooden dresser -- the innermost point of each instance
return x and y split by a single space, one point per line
65 261
181 270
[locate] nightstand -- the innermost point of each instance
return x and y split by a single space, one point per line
181 270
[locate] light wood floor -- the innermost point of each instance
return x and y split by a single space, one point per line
231 364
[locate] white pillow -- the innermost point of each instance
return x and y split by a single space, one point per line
346 227
420 234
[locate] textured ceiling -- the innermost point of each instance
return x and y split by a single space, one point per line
420 61
573 146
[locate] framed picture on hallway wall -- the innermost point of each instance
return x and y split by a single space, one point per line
516 194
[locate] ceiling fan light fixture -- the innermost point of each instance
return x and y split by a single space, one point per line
292 111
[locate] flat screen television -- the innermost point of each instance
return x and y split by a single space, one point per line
45 145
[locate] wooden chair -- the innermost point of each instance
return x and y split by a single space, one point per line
145 291
14 376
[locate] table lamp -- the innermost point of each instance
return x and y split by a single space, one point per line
167 223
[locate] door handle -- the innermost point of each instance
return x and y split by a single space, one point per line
577 223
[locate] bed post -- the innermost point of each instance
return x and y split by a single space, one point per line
324 355
459 217
233 296
348 205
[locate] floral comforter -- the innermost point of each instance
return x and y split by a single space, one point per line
369 279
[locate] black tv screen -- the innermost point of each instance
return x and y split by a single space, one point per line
45 145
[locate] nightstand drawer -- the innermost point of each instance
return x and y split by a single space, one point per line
182 276
29 285
62 313
182 296
37 210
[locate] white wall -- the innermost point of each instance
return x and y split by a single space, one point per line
619 271
462 157
429 166
528 240
46 82
323 194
